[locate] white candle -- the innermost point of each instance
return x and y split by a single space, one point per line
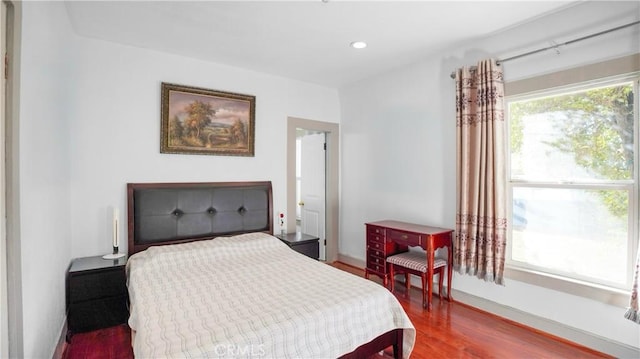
115 227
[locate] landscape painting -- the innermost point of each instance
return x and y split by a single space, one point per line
206 122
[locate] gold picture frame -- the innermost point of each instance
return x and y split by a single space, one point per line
206 122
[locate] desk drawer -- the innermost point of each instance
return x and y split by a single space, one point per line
375 230
375 238
376 245
378 268
376 252
375 234
372 259
406 238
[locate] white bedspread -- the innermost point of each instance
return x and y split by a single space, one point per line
251 296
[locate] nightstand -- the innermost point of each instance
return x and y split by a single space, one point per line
301 243
96 294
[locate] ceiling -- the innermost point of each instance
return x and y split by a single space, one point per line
303 40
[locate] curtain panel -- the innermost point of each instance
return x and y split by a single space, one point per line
481 210
633 312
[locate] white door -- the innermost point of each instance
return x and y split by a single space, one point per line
312 187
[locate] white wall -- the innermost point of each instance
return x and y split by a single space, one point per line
115 130
45 225
398 148
90 123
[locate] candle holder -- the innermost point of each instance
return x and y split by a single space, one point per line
114 255
116 239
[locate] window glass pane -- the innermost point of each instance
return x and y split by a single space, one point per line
581 233
579 136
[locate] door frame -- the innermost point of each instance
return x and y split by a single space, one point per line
331 131
12 194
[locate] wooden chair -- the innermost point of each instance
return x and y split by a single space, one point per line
414 262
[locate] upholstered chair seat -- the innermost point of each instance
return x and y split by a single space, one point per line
415 262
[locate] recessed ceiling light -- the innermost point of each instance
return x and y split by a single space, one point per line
358 44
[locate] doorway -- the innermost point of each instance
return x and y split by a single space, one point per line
311 185
330 133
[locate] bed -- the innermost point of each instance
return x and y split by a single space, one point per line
207 279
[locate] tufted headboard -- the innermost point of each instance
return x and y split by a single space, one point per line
170 213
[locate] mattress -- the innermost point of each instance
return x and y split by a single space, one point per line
252 296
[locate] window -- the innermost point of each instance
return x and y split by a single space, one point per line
574 181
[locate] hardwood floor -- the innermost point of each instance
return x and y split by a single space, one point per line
109 343
450 330
454 330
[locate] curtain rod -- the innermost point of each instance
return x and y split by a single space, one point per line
555 46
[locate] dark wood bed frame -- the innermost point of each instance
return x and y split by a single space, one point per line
187 212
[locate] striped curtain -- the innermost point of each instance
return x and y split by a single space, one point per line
633 312
481 210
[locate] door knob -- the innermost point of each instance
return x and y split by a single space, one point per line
300 203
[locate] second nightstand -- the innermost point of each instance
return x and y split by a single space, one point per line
96 294
302 243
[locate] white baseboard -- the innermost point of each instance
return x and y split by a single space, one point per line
589 340
355 262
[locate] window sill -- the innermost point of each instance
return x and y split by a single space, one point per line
607 295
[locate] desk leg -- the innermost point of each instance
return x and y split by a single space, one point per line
429 276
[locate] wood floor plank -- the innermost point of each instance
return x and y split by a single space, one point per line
108 343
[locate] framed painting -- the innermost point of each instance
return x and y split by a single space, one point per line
206 122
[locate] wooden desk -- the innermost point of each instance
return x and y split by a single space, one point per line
386 238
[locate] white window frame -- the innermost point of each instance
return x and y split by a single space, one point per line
616 70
